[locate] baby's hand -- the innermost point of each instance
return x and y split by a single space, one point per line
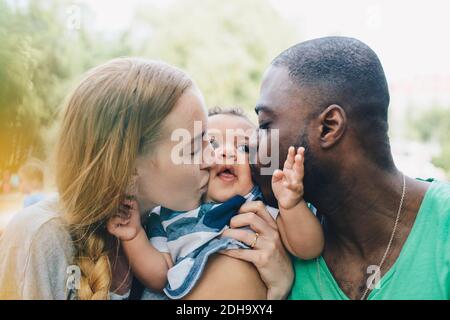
126 224
287 185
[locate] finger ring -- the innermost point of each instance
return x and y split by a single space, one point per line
254 240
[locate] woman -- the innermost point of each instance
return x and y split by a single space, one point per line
115 131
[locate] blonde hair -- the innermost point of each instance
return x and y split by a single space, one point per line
112 116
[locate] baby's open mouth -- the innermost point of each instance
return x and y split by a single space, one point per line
226 173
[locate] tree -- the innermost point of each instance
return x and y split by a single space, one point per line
17 106
224 45
433 125
40 59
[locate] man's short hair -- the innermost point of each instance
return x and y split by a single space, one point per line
343 71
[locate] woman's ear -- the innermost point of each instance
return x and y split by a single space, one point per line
333 125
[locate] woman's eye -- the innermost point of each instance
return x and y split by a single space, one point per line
243 148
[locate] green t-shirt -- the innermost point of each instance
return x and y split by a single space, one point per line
422 270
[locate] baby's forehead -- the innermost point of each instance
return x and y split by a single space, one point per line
221 123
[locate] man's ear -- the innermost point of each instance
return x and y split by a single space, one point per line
333 124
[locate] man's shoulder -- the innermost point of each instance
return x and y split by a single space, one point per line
439 194
437 204
444 188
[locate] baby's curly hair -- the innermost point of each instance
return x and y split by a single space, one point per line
234 111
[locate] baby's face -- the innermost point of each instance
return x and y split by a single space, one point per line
229 136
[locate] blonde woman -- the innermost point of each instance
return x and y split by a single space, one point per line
115 133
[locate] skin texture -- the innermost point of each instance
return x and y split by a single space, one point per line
158 169
272 264
229 150
221 278
299 229
268 255
358 199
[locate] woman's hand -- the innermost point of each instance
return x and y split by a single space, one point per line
268 254
126 225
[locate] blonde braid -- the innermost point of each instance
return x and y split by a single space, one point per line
93 261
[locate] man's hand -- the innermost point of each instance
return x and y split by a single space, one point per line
287 185
126 225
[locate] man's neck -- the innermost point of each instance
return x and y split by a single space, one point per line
360 210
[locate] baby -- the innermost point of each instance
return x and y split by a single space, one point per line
181 242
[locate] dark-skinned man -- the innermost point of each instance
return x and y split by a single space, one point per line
330 95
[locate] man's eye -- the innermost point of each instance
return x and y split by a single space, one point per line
264 126
243 148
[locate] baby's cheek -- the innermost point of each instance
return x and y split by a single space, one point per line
245 179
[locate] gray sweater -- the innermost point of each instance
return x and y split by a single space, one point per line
35 251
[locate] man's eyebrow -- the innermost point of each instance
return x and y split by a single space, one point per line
262 108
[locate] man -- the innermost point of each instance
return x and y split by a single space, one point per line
330 96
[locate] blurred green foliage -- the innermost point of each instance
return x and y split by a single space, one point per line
40 57
433 125
224 45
